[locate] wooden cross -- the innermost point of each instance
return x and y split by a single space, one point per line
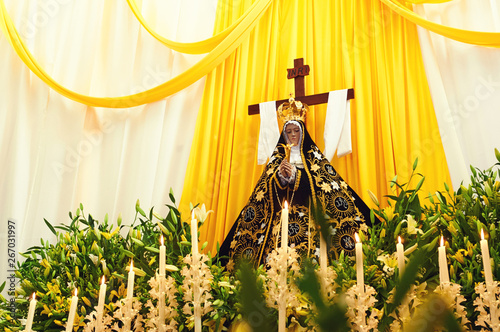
297 73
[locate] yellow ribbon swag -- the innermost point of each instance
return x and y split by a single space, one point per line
218 54
491 39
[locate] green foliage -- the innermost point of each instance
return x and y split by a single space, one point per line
86 249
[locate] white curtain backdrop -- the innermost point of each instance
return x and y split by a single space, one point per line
464 81
57 153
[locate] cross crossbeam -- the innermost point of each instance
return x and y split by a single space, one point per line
298 73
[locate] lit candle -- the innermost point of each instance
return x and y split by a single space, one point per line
359 264
130 284
284 226
194 235
31 314
72 312
443 265
100 303
162 257
400 252
485 252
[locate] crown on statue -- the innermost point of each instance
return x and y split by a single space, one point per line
292 110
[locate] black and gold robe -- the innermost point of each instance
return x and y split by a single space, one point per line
257 230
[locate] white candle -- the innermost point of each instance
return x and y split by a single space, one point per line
31 314
282 318
196 288
130 284
162 257
161 305
359 264
485 252
194 235
283 274
72 312
400 253
161 300
443 265
284 226
488 278
100 303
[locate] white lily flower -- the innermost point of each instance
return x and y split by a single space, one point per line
201 213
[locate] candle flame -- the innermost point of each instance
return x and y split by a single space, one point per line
76 292
161 239
33 296
399 239
131 264
357 237
103 281
192 215
442 241
482 234
286 205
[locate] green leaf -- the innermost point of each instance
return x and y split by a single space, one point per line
415 208
163 228
114 274
138 242
393 181
430 247
141 212
415 163
441 198
473 171
253 302
431 199
50 227
170 226
419 184
497 154
174 217
171 195
155 250
127 253
487 188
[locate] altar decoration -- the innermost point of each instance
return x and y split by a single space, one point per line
405 311
487 304
87 249
358 304
282 293
196 287
450 293
166 288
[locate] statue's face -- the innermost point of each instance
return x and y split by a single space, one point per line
293 133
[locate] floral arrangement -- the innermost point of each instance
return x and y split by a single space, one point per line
247 298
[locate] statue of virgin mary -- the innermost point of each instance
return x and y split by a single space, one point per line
298 173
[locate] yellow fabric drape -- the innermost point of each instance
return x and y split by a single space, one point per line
427 1
183 80
203 46
480 38
350 43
